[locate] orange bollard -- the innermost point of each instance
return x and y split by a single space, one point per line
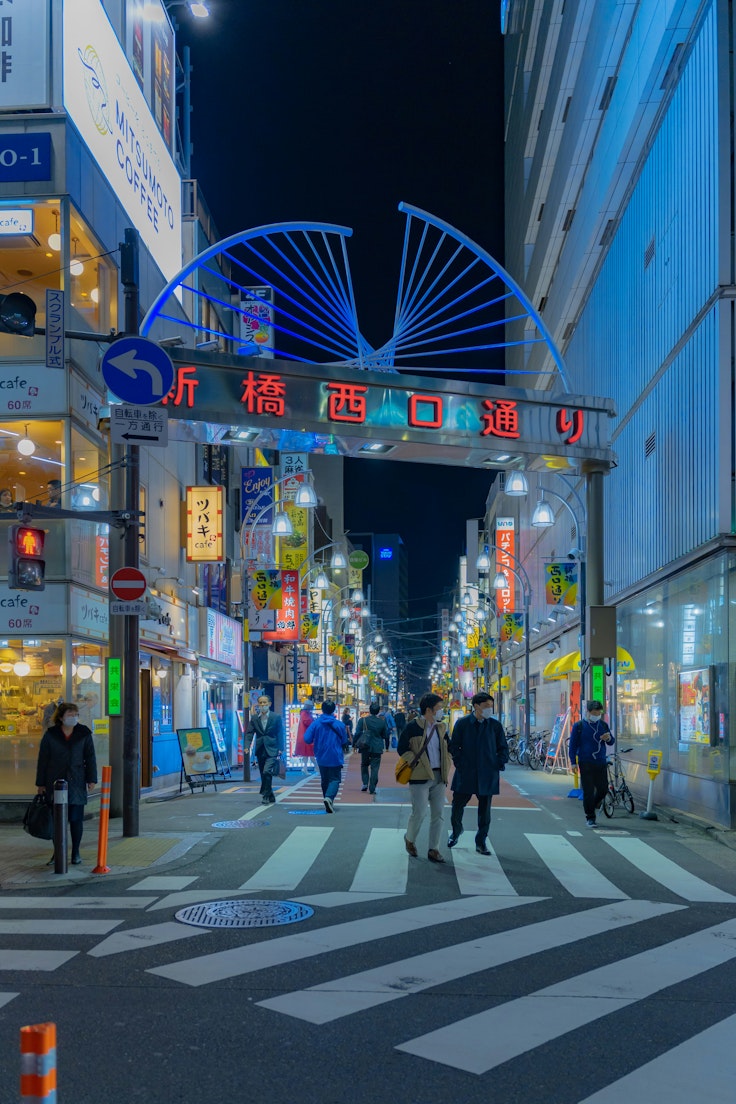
102 867
38 1063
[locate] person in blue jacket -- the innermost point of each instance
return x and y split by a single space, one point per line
588 742
329 738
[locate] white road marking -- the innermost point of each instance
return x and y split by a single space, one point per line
479 873
576 874
163 882
481 1042
6 998
290 862
704 1066
54 926
666 872
64 904
290 948
134 938
193 897
384 864
331 1000
333 900
34 960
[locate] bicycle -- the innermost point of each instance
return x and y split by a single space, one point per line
512 741
536 753
618 792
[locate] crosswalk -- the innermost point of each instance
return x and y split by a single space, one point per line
620 890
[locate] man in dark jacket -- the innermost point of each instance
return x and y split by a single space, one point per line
479 751
589 739
268 729
67 751
373 738
329 738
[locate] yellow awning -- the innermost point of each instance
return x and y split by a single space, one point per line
570 664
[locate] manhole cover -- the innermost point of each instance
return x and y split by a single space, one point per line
244 914
240 823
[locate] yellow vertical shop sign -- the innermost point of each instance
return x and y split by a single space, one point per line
204 520
294 548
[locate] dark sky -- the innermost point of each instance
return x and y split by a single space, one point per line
336 110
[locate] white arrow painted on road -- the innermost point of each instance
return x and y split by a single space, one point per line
129 364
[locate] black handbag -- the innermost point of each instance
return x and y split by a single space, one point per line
38 820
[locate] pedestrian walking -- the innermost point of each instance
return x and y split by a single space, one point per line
391 725
426 739
268 730
330 740
589 739
479 751
372 740
302 750
67 751
347 720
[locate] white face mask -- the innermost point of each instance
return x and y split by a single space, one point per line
264 709
70 720
486 713
439 714
595 716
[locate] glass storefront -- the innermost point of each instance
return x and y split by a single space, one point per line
676 699
31 684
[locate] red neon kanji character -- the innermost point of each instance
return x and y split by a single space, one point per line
185 380
564 424
502 419
264 394
346 402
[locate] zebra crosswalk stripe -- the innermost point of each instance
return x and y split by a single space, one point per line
384 864
34 960
290 862
579 877
56 926
666 872
352 933
701 1067
6 998
65 904
342 997
479 1043
153 935
479 875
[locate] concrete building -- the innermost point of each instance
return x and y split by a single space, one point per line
620 227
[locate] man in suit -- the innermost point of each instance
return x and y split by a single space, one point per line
268 730
479 751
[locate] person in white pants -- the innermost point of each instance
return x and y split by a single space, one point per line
424 744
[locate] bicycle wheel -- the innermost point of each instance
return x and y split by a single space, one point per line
513 751
626 798
532 758
609 803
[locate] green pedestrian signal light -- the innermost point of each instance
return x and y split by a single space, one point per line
27 567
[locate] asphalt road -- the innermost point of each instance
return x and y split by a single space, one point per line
572 967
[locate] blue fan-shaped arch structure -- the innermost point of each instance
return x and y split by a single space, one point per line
289 286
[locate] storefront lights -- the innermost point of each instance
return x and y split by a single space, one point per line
543 516
321 582
25 445
281 526
338 560
483 563
357 596
84 671
500 581
306 498
22 668
516 484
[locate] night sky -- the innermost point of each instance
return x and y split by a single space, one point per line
336 111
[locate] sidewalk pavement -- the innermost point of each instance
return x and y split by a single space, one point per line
173 826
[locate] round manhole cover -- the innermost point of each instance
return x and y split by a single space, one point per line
240 823
244 914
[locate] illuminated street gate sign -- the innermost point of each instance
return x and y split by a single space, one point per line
329 408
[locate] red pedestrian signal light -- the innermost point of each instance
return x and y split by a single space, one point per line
27 567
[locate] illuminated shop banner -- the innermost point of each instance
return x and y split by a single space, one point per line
505 559
562 584
256 322
273 604
24 55
256 494
223 638
204 525
106 105
312 404
512 628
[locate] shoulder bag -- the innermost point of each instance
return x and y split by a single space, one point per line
406 764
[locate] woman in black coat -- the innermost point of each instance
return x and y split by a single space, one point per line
67 751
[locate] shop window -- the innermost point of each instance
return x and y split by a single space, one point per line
88 693
162 696
92 280
31 685
31 470
87 489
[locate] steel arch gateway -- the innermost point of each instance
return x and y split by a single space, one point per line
300 375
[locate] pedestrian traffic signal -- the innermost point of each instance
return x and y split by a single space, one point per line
27 567
17 314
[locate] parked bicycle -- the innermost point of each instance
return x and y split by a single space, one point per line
618 792
512 741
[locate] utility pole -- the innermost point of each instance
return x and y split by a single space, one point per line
124 630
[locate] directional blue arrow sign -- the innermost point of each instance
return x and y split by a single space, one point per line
137 370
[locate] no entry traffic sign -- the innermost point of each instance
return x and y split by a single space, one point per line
128 584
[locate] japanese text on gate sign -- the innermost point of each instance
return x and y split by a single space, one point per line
266 393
